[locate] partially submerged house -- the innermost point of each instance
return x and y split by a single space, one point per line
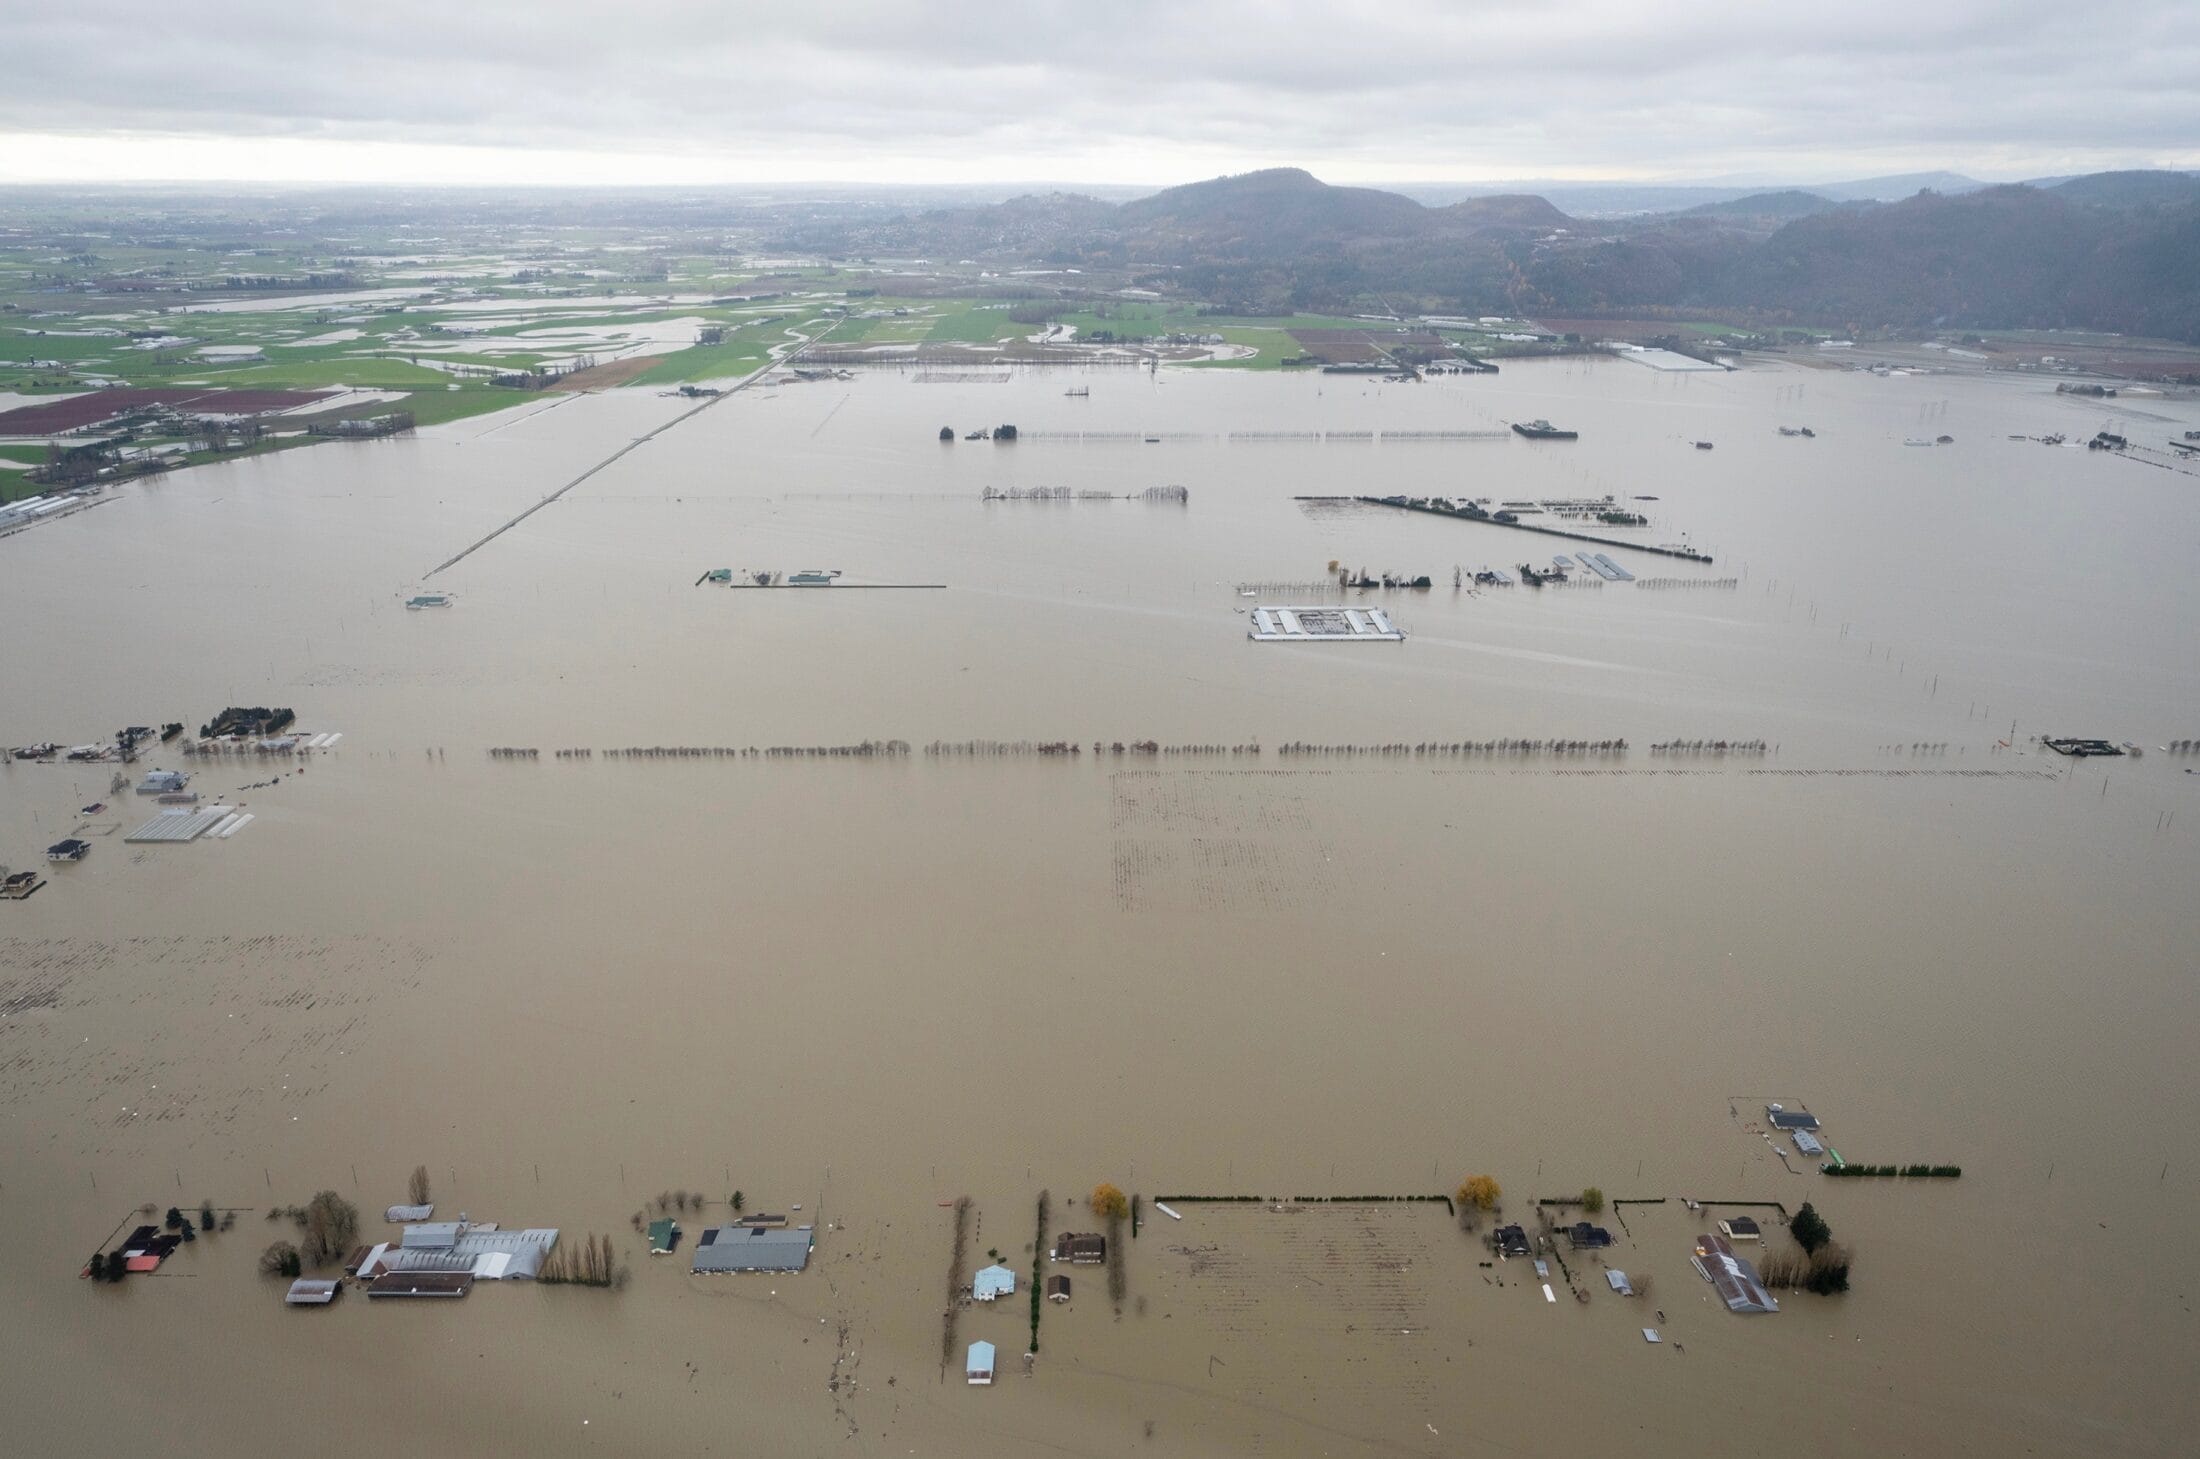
1512 1241
1081 1249
1588 1237
69 850
752 1249
664 1235
978 1366
1808 1145
162 782
1735 1280
1058 1288
1741 1228
1618 1282
1780 1117
993 1282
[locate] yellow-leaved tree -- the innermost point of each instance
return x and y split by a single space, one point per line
1108 1200
1480 1192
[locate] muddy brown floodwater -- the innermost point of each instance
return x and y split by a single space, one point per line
869 986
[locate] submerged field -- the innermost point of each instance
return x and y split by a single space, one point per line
1306 946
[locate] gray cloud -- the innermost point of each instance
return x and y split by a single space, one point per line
1135 90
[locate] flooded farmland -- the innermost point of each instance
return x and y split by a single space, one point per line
1357 924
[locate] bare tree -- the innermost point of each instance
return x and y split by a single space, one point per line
417 1187
331 1227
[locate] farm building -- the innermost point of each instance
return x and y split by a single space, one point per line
1081 1250
312 1292
480 1251
421 1284
1058 1288
993 1282
752 1249
1736 1280
1780 1117
978 1367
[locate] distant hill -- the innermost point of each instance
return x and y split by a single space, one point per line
2129 189
1901 185
1998 257
1787 203
2112 251
1273 212
1504 210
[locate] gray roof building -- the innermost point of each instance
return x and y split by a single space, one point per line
1780 1117
311 1292
1735 1279
753 1249
431 1235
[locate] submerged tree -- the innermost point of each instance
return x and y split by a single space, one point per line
1592 1200
1480 1192
331 1226
417 1186
1809 1228
281 1259
1109 1200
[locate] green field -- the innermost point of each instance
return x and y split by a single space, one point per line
737 356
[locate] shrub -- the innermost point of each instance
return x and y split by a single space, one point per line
1592 1200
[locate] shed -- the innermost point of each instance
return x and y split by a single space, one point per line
312 1292
400 1215
978 1367
752 1249
664 1235
1058 1288
1619 1282
992 1282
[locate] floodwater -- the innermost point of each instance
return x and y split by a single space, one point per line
870 986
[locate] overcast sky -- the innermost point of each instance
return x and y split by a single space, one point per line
1099 91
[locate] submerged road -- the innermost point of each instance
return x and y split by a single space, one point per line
787 359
